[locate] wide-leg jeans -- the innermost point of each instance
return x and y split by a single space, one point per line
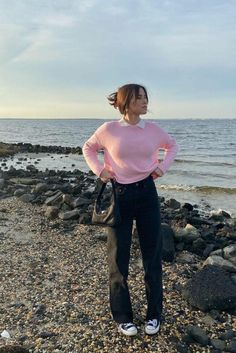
137 201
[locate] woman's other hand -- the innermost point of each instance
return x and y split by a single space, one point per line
157 173
105 176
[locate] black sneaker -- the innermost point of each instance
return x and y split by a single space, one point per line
128 329
152 326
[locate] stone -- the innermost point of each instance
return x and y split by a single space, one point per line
182 347
225 214
208 250
197 221
231 347
46 334
208 320
168 249
24 181
218 252
52 212
227 335
85 218
187 206
19 192
216 216
27 198
68 200
218 344
219 261
229 253
74 214
80 201
55 200
233 277
211 288
172 203
64 207
198 334
198 246
40 188
187 234
186 258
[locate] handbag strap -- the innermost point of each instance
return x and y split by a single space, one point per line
103 188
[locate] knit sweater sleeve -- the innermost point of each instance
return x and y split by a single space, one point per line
170 147
90 149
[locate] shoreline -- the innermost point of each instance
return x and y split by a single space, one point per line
44 159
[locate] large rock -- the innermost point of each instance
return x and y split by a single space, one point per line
70 214
219 261
211 288
52 212
218 344
187 234
219 215
229 253
187 206
68 200
27 198
80 201
55 200
168 250
198 246
198 335
172 203
24 181
19 192
40 188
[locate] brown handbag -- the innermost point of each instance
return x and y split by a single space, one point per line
109 216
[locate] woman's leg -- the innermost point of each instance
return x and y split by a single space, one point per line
118 247
149 231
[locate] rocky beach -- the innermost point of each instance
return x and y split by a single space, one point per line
54 277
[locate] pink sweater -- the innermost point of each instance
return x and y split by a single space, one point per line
130 151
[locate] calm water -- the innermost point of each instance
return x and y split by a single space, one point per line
204 171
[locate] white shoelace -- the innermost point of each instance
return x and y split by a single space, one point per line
128 325
152 323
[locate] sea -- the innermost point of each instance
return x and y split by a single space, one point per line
203 173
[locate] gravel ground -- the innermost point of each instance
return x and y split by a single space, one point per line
54 290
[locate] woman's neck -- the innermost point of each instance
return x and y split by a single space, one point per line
132 119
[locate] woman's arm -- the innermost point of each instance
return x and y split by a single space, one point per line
90 149
170 147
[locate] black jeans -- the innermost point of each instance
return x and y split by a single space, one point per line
137 201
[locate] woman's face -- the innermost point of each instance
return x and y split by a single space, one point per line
138 106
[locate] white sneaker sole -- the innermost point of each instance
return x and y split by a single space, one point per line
127 333
152 332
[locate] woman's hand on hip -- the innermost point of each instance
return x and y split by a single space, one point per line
157 173
105 176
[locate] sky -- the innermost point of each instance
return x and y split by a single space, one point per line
62 58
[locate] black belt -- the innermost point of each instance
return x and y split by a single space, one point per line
139 183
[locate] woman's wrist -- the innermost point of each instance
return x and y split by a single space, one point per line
159 172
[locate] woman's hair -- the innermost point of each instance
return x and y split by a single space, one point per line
121 99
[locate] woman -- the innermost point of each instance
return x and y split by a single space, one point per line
131 148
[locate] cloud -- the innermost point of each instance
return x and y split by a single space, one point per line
57 21
182 49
